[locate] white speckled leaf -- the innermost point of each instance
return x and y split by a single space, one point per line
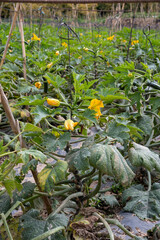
141 156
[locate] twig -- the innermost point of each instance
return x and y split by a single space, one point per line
106 225
48 233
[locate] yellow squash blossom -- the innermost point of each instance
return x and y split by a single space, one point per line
53 102
134 42
96 105
81 34
85 49
49 65
79 57
57 53
110 38
70 125
38 84
35 38
64 44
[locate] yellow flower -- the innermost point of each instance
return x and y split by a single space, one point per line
86 49
79 57
110 38
134 42
101 52
124 41
28 41
70 125
35 38
10 51
53 102
95 105
64 44
49 65
48 81
81 34
130 74
57 53
38 84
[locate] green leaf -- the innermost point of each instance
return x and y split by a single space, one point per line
116 130
26 192
32 100
55 80
33 227
41 112
78 78
26 153
52 174
125 67
109 200
145 124
141 156
32 128
5 203
78 159
145 204
10 185
111 98
106 158
90 115
50 142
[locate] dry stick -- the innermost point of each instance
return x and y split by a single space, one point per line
14 125
22 41
10 33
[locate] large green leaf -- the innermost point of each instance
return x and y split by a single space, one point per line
32 225
5 203
141 156
32 128
26 192
145 204
26 153
52 174
41 112
32 100
55 80
145 124
105 158
51 142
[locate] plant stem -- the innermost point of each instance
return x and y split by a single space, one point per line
6 227
87 174
96 190
106 225
74 195
55 128
8 153
118 224
13 139
149 181
48 233
10 211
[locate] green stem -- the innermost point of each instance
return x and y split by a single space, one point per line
149 181
74 195
87 174
8 153
154 144
55 128
10 211
149 112
48 233
106 225
6 227
13 139
96 190
118 224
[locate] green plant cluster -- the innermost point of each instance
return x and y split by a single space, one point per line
89 111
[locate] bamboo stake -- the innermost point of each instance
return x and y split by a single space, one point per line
1 7
10 33
22 41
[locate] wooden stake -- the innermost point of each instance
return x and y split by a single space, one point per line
22 41
10 33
